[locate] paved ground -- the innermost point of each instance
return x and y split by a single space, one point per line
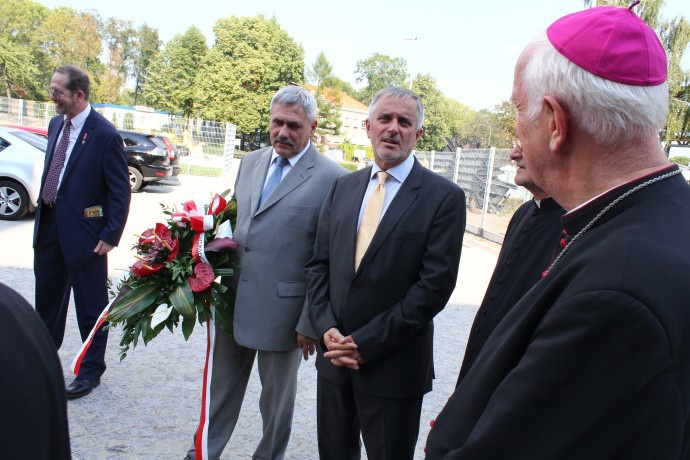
147 406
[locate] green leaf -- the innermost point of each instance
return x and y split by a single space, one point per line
182 300
187 326
219 287
133 302
223 271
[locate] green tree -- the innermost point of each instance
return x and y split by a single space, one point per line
20 23
251 59
336 83
461 117
379 71
69 36
320 71
171 83
118 36
146 48
505 117
437 124
327 100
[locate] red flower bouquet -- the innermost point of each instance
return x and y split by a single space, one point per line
174 276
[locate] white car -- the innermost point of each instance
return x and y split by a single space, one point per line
22 155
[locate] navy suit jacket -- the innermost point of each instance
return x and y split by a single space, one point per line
404 279
95 175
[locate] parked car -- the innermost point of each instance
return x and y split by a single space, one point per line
21 168
173 153
41 132
148 160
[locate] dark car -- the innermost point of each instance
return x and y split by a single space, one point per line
173 153
148 160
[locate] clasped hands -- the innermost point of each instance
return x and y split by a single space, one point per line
342 351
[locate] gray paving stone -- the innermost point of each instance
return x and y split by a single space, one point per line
147 406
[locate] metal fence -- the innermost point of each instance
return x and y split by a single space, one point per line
492 198
206 147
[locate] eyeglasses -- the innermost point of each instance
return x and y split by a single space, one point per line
57 93
517 144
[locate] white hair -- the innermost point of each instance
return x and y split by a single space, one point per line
296 95
401 93
612 113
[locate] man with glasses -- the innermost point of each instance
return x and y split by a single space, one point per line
82 211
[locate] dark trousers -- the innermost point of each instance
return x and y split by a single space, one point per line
54 280
389 427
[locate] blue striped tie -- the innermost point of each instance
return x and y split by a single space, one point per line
274 180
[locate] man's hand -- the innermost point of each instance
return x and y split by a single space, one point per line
307 345
342 351
103 248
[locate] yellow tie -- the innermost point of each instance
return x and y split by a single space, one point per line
370 219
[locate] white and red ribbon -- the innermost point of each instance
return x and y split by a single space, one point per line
194 214
201 440
76 361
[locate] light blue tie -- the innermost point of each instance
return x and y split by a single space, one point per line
274 180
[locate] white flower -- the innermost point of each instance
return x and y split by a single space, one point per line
161 314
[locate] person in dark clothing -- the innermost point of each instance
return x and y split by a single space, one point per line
593 362
34 406
529 245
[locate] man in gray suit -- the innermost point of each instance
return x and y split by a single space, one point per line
279 193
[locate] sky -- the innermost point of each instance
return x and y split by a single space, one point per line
470 48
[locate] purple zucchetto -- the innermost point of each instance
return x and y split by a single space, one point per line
613 43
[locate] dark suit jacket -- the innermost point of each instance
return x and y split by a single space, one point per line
530 243
96 175
32 388
404 279
594 361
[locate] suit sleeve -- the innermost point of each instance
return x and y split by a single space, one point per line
393 328
118 192
318 275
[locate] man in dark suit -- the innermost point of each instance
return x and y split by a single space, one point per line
279 192
385 263
593 362
530 244
82 211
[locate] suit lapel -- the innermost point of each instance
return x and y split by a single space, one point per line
352 213
83 138
259 177
406 196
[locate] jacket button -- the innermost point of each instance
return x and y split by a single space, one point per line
247 249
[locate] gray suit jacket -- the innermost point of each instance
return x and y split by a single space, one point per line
276 241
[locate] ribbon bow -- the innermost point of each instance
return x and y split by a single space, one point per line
200 220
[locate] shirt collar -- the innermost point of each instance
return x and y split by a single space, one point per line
398 172
79 120
293 161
